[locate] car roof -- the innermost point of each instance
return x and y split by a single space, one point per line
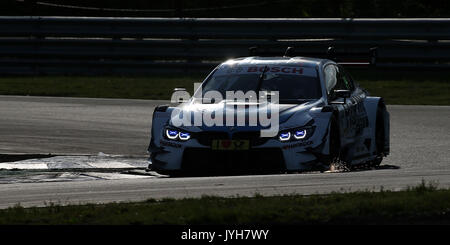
256 60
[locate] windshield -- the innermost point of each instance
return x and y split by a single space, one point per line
293 86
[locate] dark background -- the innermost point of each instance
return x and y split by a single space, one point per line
230 8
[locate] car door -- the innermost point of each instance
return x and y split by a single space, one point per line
349 110
356 113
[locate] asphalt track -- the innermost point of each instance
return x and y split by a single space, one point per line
419 151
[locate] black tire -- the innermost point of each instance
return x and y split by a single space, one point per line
376 162
171 173
334 141
379 136
335 159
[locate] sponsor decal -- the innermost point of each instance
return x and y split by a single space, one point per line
270 69
277 69
171 144
230 144
300 144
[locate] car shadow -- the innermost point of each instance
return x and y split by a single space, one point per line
388 167
381 167
244 173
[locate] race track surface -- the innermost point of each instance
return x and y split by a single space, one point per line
75 125
78 126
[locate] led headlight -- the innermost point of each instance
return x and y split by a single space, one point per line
300 134
295 134
171 134
184 136
285 136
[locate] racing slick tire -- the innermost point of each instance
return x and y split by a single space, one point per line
335 159
379 136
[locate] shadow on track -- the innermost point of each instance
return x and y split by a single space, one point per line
21 157
178 174
371 168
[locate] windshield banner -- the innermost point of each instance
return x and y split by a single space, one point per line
274 69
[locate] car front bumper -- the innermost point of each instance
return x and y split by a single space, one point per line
273 155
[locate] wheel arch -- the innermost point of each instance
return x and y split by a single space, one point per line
376 107
160 117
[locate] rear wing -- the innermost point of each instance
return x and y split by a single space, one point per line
356 59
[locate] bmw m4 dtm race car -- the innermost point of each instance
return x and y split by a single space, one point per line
270 114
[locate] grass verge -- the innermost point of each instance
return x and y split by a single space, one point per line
157 87
397 87
424 204
407 87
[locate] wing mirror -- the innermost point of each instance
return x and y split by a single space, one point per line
180 95
342 94
179 89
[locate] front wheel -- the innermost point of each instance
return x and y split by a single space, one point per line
379 137
376 162
170 173
335 160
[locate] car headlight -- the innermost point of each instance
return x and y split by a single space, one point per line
296 134
175 134
300 134
285 136
172 134
184 136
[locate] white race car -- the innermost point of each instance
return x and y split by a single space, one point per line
323 116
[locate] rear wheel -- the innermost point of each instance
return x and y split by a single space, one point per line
379 136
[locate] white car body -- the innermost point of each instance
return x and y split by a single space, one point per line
359 123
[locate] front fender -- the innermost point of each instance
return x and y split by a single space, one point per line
161 116
372 104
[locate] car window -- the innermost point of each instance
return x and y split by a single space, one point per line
294 84
336 78
330 78
292 88
344 80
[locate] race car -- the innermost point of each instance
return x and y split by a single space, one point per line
293 114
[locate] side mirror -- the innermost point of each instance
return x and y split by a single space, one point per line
178 95
179 89
342 94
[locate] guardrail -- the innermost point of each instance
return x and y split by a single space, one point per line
91 45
